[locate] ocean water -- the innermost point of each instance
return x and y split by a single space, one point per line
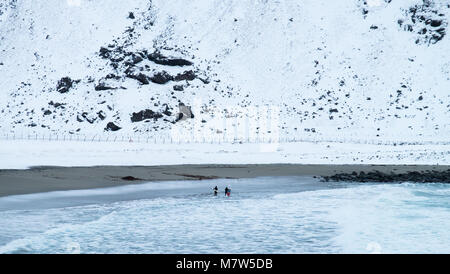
263 215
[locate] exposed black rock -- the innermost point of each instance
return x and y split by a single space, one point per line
64 85
161 77
178 87
56 105
142 78
133 60
435 23
47 112
205 81
102 86
426 21
101 115
377 176
333 110
131 15
131 178
188 75
365 12
166 111
105 53
158 58
136 59
145 114
112 127
88 117
112 76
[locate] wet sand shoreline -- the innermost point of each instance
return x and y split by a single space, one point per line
52 178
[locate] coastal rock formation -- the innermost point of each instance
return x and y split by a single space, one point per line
377 176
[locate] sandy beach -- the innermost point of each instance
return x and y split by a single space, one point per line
50 178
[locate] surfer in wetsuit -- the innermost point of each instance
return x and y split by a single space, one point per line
216 190
228 191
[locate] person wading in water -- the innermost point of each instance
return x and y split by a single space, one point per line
228 191
216 190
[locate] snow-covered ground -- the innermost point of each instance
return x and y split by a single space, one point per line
348 68
298 69
20 154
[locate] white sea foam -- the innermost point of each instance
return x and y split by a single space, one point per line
278 217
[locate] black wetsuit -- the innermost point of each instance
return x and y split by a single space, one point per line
226 190
215 190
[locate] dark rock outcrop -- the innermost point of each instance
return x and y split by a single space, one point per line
426 21
64 84
105 53
161 77
101 115
142 78
333 110
89 118
377 176
131 178
112 127
178 87
112 76
157 58
188 75
133 60
102 86
167 111
56 105
144 115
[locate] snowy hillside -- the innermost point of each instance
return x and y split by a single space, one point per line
356 69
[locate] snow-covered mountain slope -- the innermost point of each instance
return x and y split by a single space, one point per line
374 69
